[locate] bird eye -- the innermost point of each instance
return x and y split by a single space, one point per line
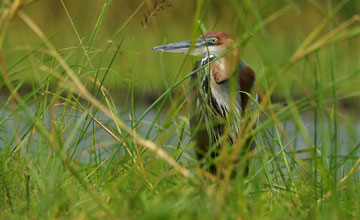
213 41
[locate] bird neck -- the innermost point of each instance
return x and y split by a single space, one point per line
231 61
224 68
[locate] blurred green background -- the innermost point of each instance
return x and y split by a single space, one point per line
306 158
265 50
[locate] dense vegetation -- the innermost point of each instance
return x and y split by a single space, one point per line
93 123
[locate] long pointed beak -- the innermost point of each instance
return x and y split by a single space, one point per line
183 47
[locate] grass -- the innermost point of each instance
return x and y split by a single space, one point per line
78 142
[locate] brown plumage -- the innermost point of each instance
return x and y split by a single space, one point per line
211 110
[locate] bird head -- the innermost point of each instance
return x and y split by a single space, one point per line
215 42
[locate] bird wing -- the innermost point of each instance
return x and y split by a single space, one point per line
246 84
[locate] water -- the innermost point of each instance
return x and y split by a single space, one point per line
17 127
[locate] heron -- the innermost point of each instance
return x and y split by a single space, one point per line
219 98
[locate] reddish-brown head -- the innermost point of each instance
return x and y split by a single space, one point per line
219 43
223 38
